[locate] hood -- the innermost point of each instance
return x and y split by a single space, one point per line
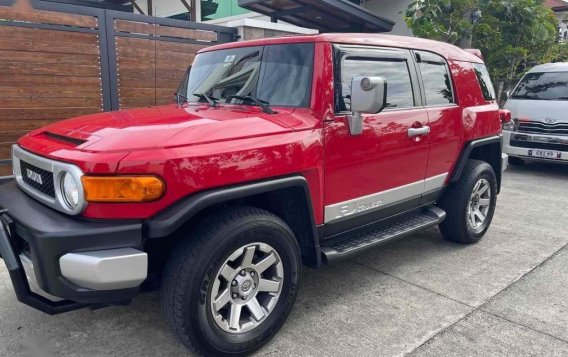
160 127
538 110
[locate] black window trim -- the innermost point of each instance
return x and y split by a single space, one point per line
416 56
377 53
480 78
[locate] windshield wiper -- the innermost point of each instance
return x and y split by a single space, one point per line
211 100
261 103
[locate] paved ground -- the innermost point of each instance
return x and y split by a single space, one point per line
421 296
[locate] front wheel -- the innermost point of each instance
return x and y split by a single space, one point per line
470 204
230 287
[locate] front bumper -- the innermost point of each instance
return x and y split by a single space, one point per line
74 262
518 144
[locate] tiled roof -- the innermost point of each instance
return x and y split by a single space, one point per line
556 4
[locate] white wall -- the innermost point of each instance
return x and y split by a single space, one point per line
390 9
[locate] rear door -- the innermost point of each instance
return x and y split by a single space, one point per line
444 120
380 172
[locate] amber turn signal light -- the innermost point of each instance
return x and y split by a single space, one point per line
122 188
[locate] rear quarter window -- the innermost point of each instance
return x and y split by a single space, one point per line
436 79
484 81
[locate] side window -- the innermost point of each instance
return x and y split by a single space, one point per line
290 66
484 81
436 79
399 85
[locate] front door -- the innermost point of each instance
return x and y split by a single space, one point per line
382 171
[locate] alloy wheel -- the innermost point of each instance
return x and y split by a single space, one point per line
479 204
247 288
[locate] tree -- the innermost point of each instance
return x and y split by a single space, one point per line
442 20
511 34
556 53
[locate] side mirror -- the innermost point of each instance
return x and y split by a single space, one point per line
368 96
505 95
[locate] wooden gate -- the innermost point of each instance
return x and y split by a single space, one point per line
59 61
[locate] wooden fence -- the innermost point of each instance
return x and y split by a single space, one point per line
59 61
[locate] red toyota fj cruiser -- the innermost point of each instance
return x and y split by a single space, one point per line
278 152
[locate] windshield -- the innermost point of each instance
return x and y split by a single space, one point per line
543 86
280 75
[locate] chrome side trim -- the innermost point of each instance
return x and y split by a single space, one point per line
375 201
539 138
58 169
109 269
435 182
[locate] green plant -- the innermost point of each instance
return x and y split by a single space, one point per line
512 34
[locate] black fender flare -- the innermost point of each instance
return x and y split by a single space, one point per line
174 217
466 154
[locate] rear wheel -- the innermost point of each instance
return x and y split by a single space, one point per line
470 203
230 287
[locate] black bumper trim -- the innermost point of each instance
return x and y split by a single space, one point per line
48 235
19 279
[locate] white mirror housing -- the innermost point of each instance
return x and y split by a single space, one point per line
368 96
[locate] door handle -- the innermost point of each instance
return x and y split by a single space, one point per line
412 132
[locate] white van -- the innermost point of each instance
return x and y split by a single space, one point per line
539 108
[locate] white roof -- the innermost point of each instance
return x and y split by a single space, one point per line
550 67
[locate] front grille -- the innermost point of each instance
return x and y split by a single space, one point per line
39 179
537 127
536 145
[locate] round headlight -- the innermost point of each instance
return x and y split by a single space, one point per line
70 190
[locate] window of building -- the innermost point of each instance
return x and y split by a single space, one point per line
484 81
396 73
436 79
175 9
218 9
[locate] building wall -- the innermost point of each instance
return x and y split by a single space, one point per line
393 10
252 28
252 33
563 25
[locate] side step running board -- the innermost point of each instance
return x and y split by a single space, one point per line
354 242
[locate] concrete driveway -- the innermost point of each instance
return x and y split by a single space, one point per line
507 295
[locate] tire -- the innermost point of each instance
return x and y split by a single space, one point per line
460 198
199 269
515 161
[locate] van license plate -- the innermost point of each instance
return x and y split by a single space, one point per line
546 154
